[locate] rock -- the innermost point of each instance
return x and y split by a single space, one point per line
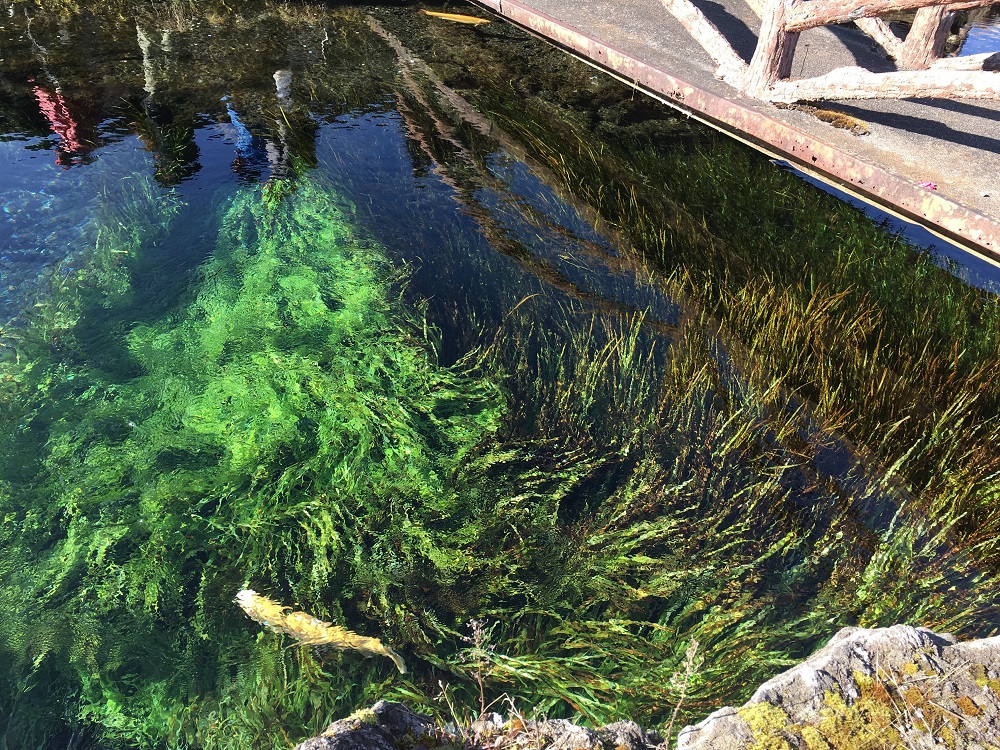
385 726
560 734
392 726
898 687
908 687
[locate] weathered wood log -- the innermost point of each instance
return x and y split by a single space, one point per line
925 40
731 67
858 83
880 32
989 61
772 59
814 13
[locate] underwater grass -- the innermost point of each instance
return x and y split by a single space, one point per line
258 434
884 356
600 490
879 338
605 496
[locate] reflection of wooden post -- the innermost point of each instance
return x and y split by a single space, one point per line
772 60
925 41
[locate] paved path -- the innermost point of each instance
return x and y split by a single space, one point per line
952 144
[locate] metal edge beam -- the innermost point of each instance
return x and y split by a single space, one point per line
947 218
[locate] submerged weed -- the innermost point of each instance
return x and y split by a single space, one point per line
801 446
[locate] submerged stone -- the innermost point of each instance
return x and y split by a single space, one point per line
392 726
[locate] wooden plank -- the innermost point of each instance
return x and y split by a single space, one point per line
858 83
924 42
814 13
989 61
772 59
731 67
880 32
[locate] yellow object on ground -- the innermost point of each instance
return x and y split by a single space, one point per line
308 630
456 17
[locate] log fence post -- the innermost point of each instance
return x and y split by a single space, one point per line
925 41
772 59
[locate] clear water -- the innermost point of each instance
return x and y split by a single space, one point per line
409 324
982 33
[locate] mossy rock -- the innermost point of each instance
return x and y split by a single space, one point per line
898 687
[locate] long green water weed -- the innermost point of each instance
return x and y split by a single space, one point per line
261 426
600 485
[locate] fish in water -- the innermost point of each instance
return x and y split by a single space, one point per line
308 630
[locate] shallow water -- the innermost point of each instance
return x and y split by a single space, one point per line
407 325
982 34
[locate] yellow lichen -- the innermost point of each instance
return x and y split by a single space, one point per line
814 739
769 724
867 722
984 681
968 706
364 715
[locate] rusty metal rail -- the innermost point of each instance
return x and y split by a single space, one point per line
949 219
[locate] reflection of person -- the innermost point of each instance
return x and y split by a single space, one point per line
255 154
72 143
175 152
293 142
249 153
277 152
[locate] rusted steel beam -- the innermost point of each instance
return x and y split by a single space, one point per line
814 13
949 218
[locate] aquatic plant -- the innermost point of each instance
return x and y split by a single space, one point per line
848 317
603 484
831 327
261 422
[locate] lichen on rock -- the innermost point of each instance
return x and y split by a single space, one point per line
898 687
877 689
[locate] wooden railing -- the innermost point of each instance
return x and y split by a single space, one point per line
921 71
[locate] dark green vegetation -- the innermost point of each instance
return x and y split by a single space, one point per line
799 434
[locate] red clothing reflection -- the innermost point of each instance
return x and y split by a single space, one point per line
72 143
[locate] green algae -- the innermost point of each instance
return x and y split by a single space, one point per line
280 416
598 490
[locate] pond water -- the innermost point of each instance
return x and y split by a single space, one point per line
982 32
435 334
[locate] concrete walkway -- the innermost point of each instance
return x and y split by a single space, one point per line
954 145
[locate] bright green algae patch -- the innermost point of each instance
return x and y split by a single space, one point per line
283 406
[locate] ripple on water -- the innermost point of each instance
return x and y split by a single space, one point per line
983 37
